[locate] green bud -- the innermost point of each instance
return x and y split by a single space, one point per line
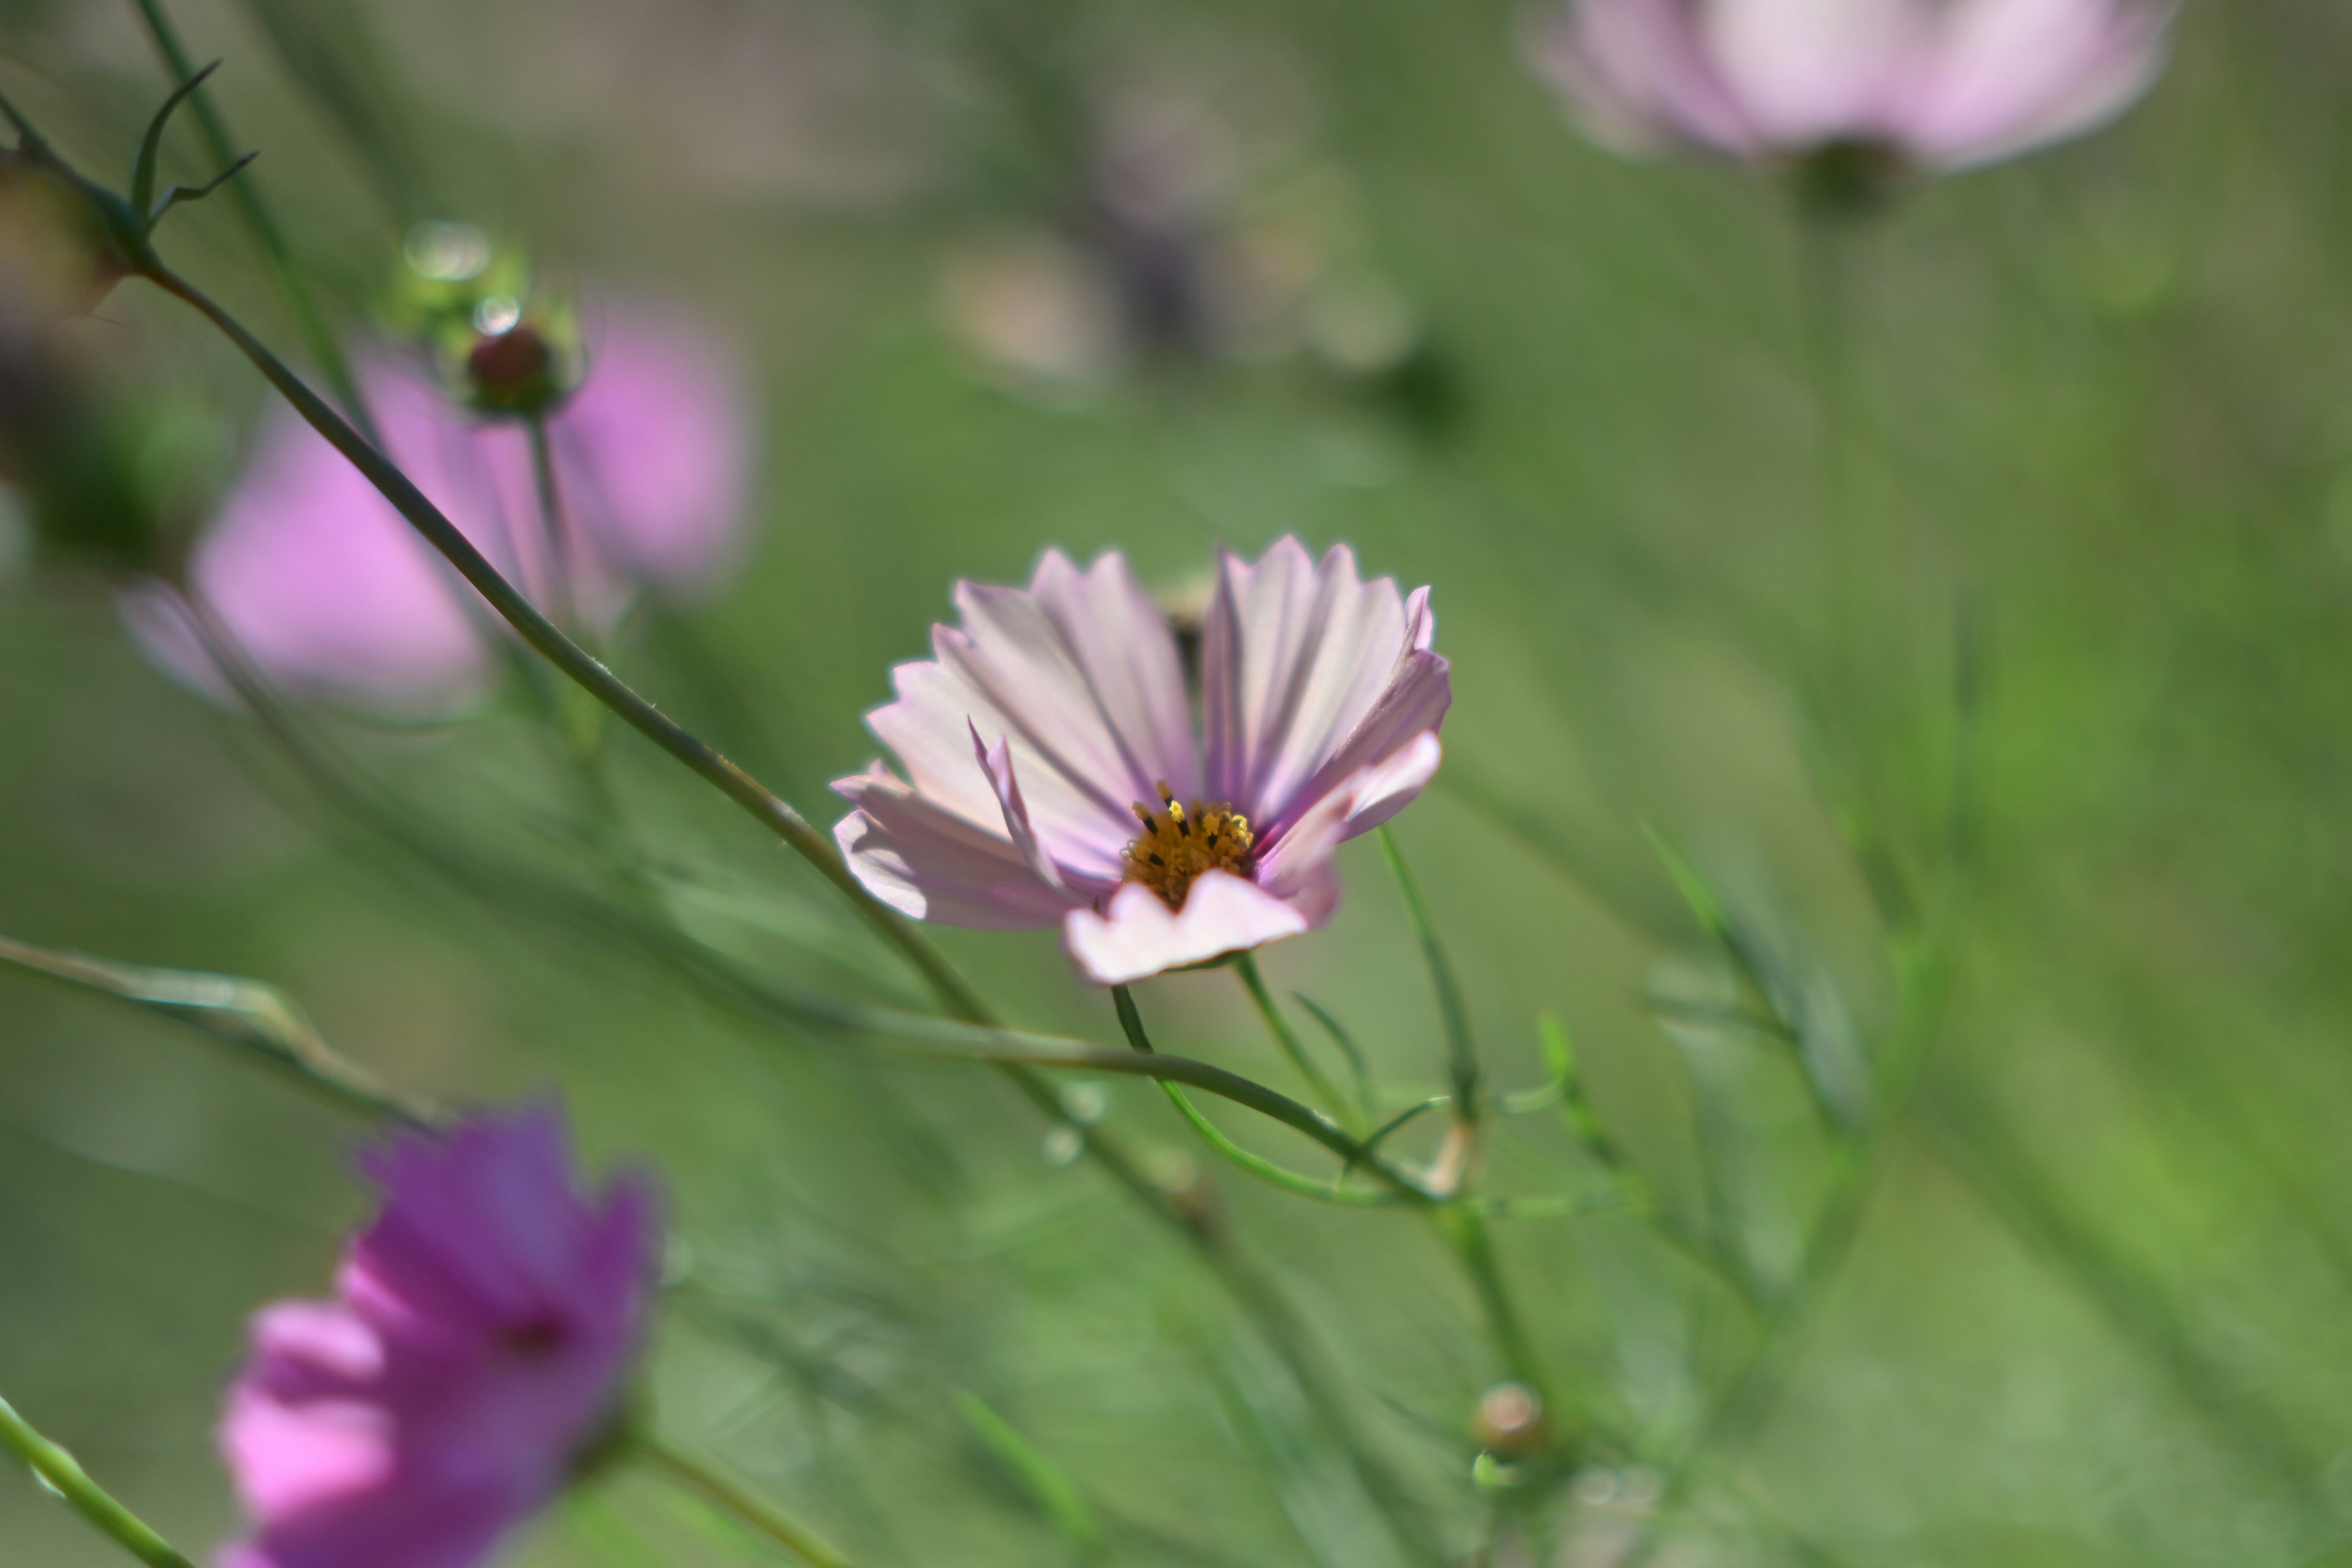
58 254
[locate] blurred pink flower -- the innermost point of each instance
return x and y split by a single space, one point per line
331 592
1930 85
1057 778
479 1345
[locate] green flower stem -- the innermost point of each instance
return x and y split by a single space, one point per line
1257 1297
746 1508
258 1019
1402 1187
1284 1036
64 1475
551 519
1460 1222
1465 1229
577 664
1461 1050
1855 1163
317 334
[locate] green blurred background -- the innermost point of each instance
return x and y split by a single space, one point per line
2096 1308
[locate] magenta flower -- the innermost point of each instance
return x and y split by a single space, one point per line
1927 86
478 1345
331 592
1053 776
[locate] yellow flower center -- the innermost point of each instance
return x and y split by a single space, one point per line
1179 843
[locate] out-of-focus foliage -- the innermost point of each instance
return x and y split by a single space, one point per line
2099 475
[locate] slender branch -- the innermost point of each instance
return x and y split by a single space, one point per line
1465 1228
1275 1318
1334 1192
64 1475
737 1501
318 335
580 666
1461 1049
246 1014
552 520
1284 1036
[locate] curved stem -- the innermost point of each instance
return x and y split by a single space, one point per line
1245 965
245 1012
755 1513
1462 1051
308 320
64 1475
580 666
1265 1170
1257 1297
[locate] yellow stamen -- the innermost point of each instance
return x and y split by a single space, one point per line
1188 841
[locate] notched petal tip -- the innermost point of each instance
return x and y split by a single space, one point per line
1137 935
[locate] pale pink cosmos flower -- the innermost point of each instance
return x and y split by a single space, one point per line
331 594
1929 84
478 1345
1055 774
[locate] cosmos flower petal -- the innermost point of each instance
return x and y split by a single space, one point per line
655 447
1121 643
1294 655
323 583
1137 934
1808 71
1007 672
996 761
455 1526
1933 84
1297 868
1052 711
1412 703
2015 74
931 863
481 1339
1640 73
330 594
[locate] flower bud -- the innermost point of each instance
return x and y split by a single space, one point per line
514 371
56 256
1509 1423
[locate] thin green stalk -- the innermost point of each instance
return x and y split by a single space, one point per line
1462 1051
1287 1039
1256 1296
1460 1222
577 664
317 334
738 1502
552 520
1465 1229
1402 1187
255 1017
65 1476
1830 359
1855 1164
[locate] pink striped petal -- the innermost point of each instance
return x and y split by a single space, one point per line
1640 73
2015 74
931 863
1295 655
1137 935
